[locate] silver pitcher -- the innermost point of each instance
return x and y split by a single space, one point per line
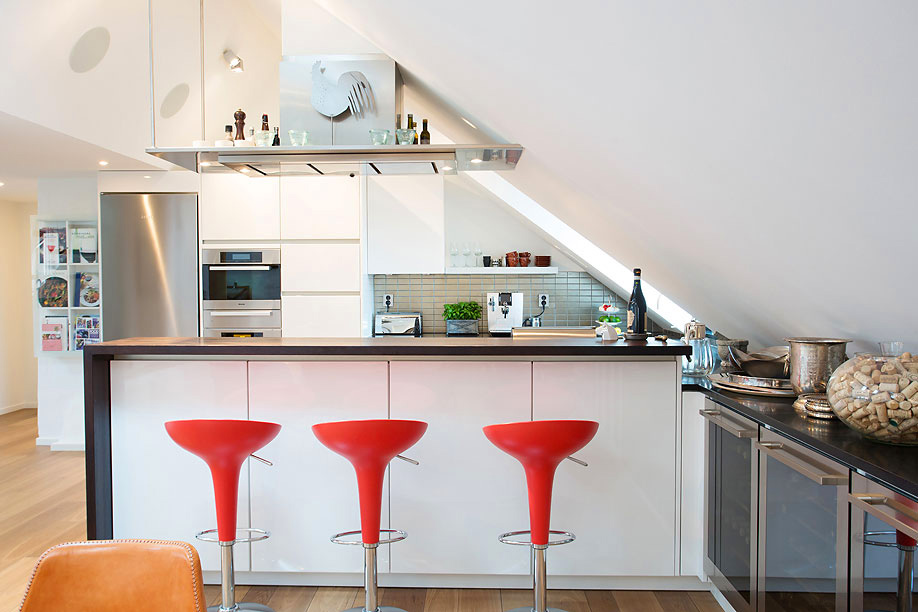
812 361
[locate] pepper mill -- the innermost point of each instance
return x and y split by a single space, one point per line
239 116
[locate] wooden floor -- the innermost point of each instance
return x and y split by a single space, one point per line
42 503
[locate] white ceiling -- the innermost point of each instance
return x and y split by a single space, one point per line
757 160
30 152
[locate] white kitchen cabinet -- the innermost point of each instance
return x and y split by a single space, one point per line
405 230
311 492
466 491
320 208
320 316
238 207
623 506
160 490
320 267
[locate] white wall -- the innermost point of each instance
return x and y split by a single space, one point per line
472 214
308 29
755 159
60 377
18 368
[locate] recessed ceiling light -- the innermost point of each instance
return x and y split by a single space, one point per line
147 176
103 163
447 168
245 169
475 160
204 164
2 184
469 123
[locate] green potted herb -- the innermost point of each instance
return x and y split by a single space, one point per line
462 318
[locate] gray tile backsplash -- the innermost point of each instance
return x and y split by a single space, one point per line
573 296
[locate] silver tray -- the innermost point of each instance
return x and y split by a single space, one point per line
721 382
756 381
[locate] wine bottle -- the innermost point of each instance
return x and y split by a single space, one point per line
276 142
264 123
637 307
425 135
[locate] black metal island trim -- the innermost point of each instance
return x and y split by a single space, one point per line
97 376
893 466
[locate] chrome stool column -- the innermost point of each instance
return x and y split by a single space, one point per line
905 578
539 573
228 574
371 588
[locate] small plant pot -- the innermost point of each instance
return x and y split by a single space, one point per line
462 327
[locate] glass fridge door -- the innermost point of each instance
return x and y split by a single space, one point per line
803 508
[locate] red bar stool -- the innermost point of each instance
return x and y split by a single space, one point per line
224 445
540 446
905 578
370 446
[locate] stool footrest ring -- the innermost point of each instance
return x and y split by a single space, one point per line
258 535
339 538
505 538
870 542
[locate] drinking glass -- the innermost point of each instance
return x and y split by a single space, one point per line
468 259
892 348
453 255
476 250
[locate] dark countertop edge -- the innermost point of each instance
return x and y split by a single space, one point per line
854 462
395 350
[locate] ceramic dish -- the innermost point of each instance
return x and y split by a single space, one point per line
720 381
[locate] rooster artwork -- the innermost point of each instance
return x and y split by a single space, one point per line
352 91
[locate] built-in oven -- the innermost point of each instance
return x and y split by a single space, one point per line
241 292
884 534
802 528
731 505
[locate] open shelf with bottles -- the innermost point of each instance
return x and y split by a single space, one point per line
503 270
66 285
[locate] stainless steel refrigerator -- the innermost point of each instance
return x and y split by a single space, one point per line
149 264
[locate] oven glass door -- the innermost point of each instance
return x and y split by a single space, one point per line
802 510
237 283
731 505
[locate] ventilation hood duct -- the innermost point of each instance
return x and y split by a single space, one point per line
344 159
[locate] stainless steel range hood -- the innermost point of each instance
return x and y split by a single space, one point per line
344 159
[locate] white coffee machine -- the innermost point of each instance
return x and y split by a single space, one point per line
505 311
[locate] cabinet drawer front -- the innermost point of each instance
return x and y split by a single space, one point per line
321 316
320 207
236 207
235 319
320 267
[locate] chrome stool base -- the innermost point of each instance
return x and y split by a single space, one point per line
242 607
379 609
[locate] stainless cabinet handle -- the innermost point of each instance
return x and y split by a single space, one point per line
776 451
869 503
240 313
235 268
715 417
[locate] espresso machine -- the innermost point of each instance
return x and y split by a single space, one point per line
505 311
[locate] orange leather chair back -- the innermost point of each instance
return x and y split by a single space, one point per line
116 575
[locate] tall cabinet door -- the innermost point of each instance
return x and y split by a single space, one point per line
310 493
463 483
622 507
160 490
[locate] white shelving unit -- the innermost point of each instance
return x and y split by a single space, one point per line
68 270
504 270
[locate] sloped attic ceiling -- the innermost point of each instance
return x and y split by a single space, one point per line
756 159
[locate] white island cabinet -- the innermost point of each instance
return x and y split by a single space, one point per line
463 483
631 478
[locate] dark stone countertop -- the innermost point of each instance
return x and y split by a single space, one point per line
893 466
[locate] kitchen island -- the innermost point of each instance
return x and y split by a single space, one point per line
625 507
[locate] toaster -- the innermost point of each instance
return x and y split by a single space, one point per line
397 324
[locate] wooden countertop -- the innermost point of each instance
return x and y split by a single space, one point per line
400 347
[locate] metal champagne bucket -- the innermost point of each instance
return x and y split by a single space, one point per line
812 361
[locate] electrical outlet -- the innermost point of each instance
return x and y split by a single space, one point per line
388 301
543 300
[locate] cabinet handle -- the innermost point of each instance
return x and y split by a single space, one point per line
240 313
869 502
715 417
776 451
237 268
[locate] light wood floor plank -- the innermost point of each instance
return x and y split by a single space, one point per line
705 602
602 601
334 599
637 601
291 599
442 600
479 600
569 601
406 599
515 598
675 601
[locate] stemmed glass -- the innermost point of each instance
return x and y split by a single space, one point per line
453 255
476 249
468 259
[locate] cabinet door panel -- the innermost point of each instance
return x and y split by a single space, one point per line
236 207
621 507
310 493
405 231
320 316
465 492
320 267
320 207
160 490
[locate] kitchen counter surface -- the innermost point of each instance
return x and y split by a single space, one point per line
398 347
894 466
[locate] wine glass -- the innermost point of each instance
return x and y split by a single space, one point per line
453 254
467 255
476 249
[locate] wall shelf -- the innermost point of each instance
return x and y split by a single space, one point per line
504 270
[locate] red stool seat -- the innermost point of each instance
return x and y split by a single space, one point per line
224 445
540 446
370 446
